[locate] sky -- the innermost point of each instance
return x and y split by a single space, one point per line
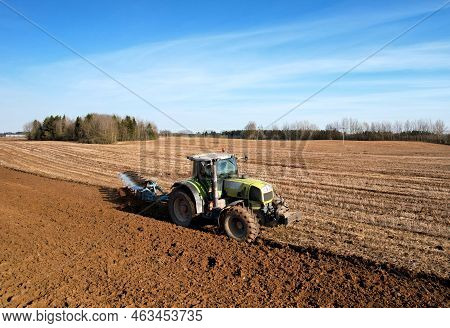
215 65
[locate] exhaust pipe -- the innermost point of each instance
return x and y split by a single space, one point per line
214 183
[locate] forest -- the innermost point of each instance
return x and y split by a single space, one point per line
92 128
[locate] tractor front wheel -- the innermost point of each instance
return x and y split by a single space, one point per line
181 208
240 224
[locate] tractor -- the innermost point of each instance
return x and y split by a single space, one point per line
215 191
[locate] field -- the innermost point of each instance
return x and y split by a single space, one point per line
63 245
382 201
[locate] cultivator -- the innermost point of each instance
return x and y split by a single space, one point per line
238 205
137 191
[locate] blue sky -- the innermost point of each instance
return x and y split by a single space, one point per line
218 64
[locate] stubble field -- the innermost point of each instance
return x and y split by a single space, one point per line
382 201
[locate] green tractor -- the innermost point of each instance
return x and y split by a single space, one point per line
238 204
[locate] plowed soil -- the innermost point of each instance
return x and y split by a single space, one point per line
65 244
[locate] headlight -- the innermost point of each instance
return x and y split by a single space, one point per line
268 196
266 189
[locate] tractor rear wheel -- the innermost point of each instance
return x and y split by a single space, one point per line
181 208
240 224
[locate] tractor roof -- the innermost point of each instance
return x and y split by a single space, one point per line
209 157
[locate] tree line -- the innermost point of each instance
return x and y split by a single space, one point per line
347 128
92 128
100 128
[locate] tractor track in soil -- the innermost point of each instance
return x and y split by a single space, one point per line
65 244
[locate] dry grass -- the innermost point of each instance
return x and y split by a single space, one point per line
385 201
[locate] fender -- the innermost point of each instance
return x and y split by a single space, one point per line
198 199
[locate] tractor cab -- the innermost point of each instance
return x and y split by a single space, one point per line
211 167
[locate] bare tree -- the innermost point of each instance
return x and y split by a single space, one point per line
305 126
365 126
251 126
250 130
27 128
407 126
439 127
33 130
398 127
333 126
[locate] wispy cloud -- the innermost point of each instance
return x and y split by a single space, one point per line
255 74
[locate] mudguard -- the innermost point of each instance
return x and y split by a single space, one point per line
197 197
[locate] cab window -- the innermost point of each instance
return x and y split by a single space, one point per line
227 168
205 170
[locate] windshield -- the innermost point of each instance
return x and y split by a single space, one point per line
227 168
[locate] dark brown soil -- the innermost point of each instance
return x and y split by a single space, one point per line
63 244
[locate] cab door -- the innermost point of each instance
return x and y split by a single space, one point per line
204 176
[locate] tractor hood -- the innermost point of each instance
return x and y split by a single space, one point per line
253 189
247 181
